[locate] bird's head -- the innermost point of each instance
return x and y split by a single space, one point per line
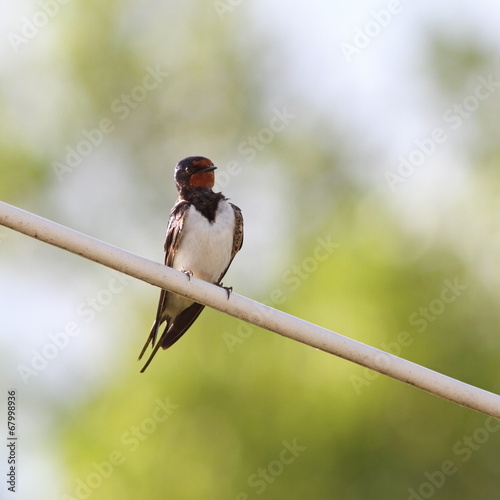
194 172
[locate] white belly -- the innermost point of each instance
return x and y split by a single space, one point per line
205 249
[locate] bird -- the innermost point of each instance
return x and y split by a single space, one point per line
204 233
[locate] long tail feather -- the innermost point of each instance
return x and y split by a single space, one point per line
151 338
155 350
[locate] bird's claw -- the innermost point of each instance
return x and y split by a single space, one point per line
228 289
187 272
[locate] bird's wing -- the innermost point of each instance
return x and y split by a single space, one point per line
174 230
180 324
172 239
237 239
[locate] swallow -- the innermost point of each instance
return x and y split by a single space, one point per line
204 233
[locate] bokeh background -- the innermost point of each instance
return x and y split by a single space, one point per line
361 141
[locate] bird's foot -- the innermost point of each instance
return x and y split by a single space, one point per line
187 272
228 289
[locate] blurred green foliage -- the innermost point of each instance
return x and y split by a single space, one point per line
234 412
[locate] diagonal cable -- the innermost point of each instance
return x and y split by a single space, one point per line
248 310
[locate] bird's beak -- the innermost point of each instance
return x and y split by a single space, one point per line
207 169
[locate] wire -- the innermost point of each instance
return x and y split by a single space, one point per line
248 310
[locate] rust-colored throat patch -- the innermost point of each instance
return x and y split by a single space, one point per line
202 179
